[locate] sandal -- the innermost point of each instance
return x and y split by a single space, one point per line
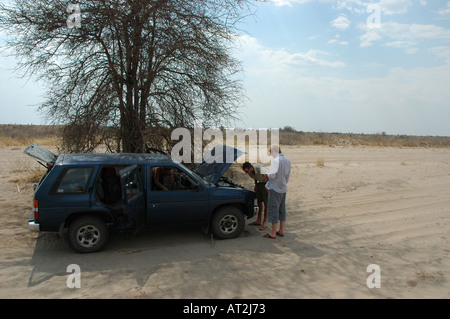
268 236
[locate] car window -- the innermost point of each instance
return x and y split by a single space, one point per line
169 178
132 185
73 180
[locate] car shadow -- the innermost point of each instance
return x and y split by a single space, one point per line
146 252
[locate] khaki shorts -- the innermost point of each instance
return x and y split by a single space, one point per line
261 194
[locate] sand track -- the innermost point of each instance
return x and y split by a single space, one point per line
384 206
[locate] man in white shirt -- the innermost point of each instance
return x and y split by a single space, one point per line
277 179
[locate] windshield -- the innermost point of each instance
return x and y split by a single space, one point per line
197 175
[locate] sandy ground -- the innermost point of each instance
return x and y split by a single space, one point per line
383 206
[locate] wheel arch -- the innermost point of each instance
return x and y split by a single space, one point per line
103 215
239 206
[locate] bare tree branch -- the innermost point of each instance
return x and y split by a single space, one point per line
137 66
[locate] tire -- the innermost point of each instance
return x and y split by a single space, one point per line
87 234
228 222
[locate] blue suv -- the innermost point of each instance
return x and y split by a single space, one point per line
85 196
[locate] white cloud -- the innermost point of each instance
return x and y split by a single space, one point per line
358 6
410 47
442 52
394 6
386 6
341 23
267 58
313 57
445 12
288 2
368 38
394 32
337 40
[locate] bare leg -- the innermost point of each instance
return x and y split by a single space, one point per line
264 224
274 230
265 215
281 231
258 219
260 212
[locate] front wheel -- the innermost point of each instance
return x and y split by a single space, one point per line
228 222
87 234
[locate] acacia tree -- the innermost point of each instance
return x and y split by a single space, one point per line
128 70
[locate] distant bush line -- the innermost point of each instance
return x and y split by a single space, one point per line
352 139
20 135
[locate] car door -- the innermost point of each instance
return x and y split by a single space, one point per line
185 202
133 194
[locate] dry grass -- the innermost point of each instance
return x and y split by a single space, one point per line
20 135
50 141
27 176
23 174
320 162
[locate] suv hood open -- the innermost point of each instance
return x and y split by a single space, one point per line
217 162
41 154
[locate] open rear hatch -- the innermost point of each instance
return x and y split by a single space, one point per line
44 156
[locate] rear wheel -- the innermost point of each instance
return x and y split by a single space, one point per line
228 222
87 234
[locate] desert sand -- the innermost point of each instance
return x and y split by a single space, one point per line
348 208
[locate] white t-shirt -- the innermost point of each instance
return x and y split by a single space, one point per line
279 172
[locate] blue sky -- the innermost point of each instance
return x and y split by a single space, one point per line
331 66
325 66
